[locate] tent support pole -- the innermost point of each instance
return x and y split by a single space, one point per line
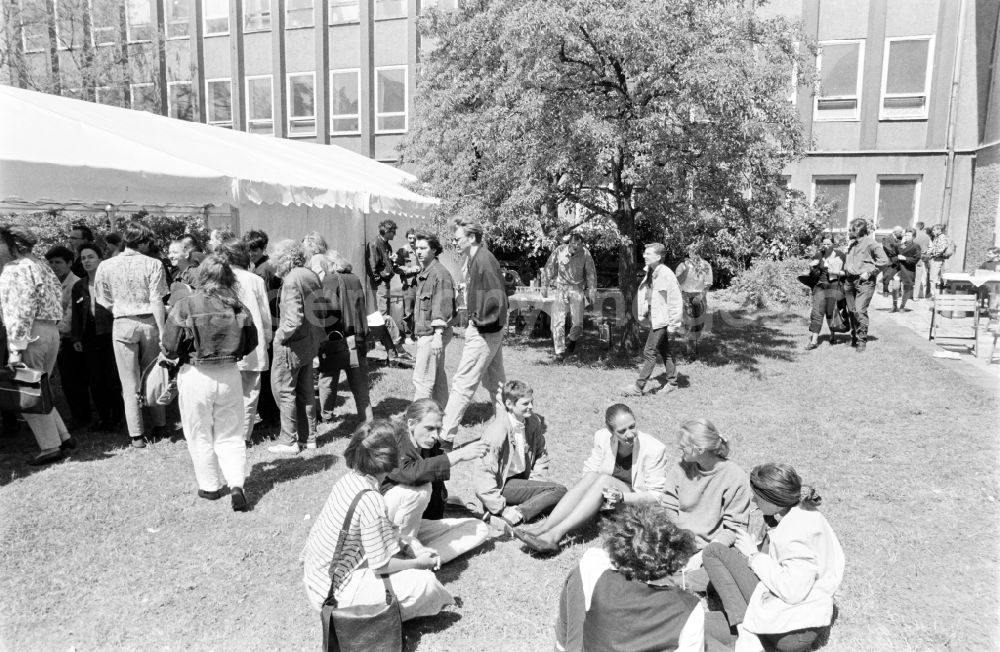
234 219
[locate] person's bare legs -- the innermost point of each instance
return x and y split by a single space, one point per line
578 506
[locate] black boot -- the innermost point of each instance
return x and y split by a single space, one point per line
570 347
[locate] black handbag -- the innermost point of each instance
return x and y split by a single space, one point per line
362 628
25 390
338 352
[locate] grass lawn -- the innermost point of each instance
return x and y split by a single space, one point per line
112 548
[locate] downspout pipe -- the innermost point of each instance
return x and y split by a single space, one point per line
956 71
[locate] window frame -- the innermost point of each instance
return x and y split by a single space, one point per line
858 83
312 19
918 180
343 116
347 3
208 103
132 87
882 115
406 101
94 29
168 23
399 17
205 17
851 194
249 100
247 16
128 21
170 108
288 105
24 43
97 95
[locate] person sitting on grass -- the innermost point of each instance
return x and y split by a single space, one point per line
372 553
779 593
414 490
625 467
620 597
516 441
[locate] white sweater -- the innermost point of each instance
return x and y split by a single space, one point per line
798 576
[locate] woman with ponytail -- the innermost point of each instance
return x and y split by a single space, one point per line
779 592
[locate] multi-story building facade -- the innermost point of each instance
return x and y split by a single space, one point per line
904 122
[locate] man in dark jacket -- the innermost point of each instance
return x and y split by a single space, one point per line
346 347
433 319
486 303
380 264
890 245
415 494
296 342
409 266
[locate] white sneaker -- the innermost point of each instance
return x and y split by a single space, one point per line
311 445
285 449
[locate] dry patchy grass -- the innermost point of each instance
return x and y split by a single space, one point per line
113 550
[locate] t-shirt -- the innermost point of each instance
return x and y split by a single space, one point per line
370 537
516 461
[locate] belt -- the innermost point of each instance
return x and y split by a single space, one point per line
147 315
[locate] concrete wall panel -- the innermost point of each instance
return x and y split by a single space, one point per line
912 17
843 19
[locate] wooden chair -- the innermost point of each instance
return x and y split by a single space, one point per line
954 307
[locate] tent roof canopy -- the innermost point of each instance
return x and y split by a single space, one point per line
55 149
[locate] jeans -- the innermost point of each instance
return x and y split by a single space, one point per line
391 330
826 300
250 381
859 294
210 398
42 351
532 497
137 345
73 379
409 301
923 274
293 389
266 405
430 380
934 270
102 376
657 342
357 380
482 361
572 300
694 313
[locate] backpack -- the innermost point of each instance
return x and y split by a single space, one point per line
159 383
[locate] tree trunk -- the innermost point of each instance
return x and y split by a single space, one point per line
627 270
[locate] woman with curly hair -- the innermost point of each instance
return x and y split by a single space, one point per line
778 592
296 342
621 597
315 248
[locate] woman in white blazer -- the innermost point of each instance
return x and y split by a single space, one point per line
625 467
779 591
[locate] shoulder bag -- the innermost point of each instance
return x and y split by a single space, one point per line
362 628
25 390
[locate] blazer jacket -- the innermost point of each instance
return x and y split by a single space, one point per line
649 462
83 317
303 311
491 473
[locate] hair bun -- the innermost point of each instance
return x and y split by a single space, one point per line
24 236
809 495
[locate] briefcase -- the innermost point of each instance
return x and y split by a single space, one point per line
25 390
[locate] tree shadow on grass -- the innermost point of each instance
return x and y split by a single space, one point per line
265 476
741 341
390 406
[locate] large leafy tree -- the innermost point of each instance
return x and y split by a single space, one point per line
663 116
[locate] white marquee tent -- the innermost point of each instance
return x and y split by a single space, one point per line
61 151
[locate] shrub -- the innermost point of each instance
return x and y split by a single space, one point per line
770 283
53 227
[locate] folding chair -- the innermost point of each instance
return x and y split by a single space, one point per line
956 307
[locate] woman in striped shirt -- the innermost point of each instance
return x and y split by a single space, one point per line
372 548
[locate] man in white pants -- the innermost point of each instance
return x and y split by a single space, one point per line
571 274
415 493
482 356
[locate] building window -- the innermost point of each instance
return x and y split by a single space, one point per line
218 96
343 11
390 9
139 24
344 115
298 13
109 95
178 18
840 64
898 199
34 28
259 116
145 97
301 107
216 17
390 99
839 193
906 78
180 101
257 15
442 5
104 19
